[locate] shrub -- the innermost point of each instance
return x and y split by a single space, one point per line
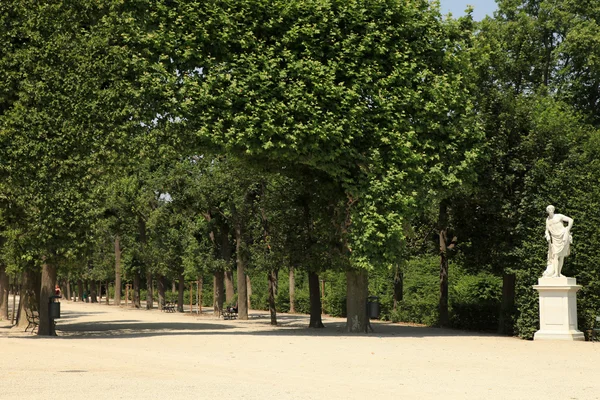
475 302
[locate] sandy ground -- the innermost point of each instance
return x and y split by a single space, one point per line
111 352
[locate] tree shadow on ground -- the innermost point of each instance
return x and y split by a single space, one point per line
258 325
139 329
134 328
72 314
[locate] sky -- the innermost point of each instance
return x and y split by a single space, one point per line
457 7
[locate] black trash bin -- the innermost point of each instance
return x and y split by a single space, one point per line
54 307
373 307
53 313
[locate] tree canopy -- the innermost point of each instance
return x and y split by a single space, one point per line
177 140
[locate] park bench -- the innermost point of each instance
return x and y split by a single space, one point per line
32 315
230 313
168 306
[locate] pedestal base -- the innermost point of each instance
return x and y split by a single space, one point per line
575 335
558 309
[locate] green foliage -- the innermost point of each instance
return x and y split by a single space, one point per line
474 299
420 295
334 301
375 95
326 132
527 303
475 302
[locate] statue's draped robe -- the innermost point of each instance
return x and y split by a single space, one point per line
560 238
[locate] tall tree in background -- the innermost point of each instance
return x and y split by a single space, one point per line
70 96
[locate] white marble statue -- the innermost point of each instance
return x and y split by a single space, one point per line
559 242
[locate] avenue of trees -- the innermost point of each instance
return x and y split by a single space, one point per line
299 155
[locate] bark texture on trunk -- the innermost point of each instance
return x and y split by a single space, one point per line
149 291
241 275
3 292
219 293
229 289
161 291
443 303
80 289
398 286
136 290
357 290
223 282
93 292
248 290
69 294
200 285
444 317
507 311
148 272
46 290
315 301
226 252
272 309
292 291
180 293
36 282
117 270
27 295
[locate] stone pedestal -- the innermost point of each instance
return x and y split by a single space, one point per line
558 309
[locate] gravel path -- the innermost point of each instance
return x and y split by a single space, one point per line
111 352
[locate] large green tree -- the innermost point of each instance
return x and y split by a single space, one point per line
71 96
373 93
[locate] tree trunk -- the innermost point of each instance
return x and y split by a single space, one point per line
248 291
161 291
14 307
200 285
292 291
173 287
444 318
357 290
229 290
62 284
36 282
80 289
398 287
143 259
149 291
136 290
223 282
226 251
315 301
69 294
180 293
443 303
218 291
27 294
46 290
507 311
272 279
93 292
241 275
117 270
3 292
